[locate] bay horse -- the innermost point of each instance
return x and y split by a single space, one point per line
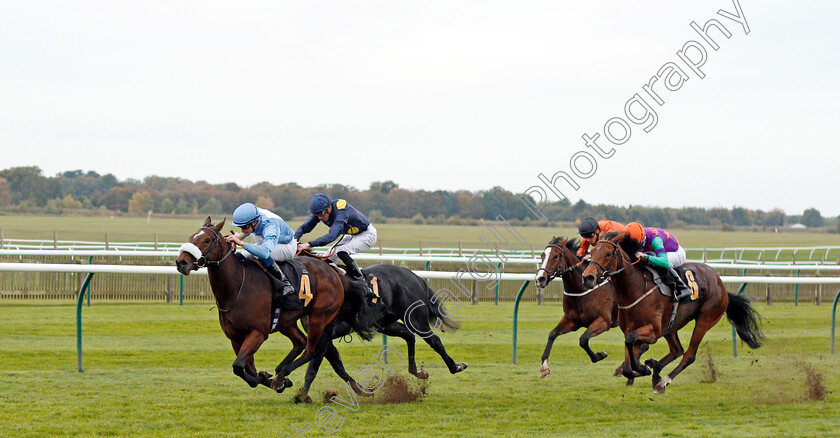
593 308
645 314
406 307
243 293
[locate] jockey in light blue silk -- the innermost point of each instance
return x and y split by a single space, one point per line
274 239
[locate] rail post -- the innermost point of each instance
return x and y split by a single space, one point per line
833 316
79 322
516 315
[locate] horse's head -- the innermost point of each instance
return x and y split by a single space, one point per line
607 258
557 259
206 246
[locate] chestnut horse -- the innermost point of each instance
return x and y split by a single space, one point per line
593 308
243 293
645 314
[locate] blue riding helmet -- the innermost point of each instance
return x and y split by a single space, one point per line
319 203
245 214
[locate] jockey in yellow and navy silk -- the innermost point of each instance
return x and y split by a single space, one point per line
343 220
275 239
661 249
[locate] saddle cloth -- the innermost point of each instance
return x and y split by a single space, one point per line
687 276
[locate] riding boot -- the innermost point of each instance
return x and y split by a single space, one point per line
355 273
275 271
681 290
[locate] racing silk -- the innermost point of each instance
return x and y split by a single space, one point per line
605 226
270 230
659 242
344 219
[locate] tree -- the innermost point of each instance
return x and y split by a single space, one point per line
264 202
5 193
812 218
25 183
140 203
383 187
213 206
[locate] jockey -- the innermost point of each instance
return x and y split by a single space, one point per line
275 241
343 220
661 249
591 230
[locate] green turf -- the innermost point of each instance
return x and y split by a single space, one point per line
165 370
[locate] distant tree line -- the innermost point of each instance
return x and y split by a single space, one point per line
27 190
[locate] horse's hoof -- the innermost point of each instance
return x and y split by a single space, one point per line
544 372
660 387
281 386
461 367
619 372
302 398
358 389
421 374
652 363
288 383
600 356
630 381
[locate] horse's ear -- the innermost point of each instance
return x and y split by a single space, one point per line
220 225
207 221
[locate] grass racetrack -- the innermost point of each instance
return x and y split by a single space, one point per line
165 370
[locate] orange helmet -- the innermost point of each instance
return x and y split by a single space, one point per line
636 232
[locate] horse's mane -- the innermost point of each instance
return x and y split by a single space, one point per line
572 244
630 246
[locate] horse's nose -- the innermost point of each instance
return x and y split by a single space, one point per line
589 280
541 281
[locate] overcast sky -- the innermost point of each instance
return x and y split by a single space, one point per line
432 95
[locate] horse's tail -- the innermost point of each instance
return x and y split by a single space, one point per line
743 316
357 313
435 314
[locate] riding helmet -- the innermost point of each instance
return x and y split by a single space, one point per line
588 225
245 214
636 232
319 203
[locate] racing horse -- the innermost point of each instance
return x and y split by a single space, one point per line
406 307
593 308
243 293
646 315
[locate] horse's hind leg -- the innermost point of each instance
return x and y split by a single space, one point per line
434 341
564 326
334 358
399 330
243 366
596 328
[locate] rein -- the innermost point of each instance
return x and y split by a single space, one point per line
627 264
554 273
237 295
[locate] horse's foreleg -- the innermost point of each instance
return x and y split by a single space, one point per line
399 330
245 357
311 371
643 335
421 326
596 328
316 345
675 350
564 326
334 359
701 326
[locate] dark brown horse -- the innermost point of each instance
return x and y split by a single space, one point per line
243 293
645 314
593 308
406 307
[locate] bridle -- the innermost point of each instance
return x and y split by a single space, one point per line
201 260
613 261
556 272
201 256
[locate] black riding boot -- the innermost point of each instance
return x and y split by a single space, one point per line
355 273
681 290
275 271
